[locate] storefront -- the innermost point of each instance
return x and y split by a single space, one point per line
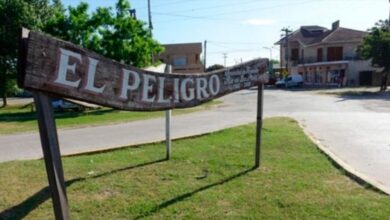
325 73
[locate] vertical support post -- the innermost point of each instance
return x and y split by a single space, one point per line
52 156
259 124
168 115
205 56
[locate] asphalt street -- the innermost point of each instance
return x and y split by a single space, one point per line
353 131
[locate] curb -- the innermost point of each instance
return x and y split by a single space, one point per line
359 177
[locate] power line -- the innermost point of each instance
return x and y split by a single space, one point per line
234 42
212 17
216 6
165 4
233 51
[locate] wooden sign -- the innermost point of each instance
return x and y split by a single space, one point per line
48 65
61 68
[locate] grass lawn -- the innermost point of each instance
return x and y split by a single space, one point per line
14 119
208 177
354 92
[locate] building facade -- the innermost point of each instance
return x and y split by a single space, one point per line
184 58
326 57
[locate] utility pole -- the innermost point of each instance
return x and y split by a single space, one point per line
287 31
204 55
224 59
150 19
133 13
150 28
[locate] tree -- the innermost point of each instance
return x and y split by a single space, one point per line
214 67
116 35
112 33
13 15
376 46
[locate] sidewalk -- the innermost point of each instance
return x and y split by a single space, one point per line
80 140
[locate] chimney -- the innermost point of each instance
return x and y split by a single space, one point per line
335 25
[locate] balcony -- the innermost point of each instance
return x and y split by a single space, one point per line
309 60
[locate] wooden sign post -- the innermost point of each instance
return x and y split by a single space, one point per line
51 66
51 154
168 116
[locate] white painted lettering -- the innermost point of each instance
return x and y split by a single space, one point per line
148 87
125 82
184 87
65 68
201 86
161 90
214 85
91 77
176 90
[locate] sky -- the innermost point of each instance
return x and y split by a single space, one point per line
240 30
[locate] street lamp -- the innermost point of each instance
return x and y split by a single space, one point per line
270 67
270 50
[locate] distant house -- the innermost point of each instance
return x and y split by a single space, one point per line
325 57
184 58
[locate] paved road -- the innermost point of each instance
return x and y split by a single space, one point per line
352 131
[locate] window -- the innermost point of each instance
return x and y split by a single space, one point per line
319 55
179 61
335 53
196 58
295 54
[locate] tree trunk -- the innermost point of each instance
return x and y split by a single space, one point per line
4 100
384 81
3 88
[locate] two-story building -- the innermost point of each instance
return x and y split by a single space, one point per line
326 57
184 58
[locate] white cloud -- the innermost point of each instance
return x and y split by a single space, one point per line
259 22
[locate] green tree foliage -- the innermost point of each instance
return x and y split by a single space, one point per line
376 46
214 67
110 32
13 15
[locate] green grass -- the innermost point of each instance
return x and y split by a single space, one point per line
208 177
352 93
14 119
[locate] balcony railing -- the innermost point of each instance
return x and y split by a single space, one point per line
309 60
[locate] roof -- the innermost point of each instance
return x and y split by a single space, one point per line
187 47
345 34
309 35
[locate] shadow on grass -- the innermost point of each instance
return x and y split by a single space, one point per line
21 210
362 95
189 194
32 116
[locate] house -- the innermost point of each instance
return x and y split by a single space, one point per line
327 57
184 58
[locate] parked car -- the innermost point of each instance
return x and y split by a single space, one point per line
292 80
61 105
271 81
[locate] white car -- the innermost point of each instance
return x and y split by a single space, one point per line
61 105
292 80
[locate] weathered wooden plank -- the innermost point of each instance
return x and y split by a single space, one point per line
52 155
23 39
64 69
